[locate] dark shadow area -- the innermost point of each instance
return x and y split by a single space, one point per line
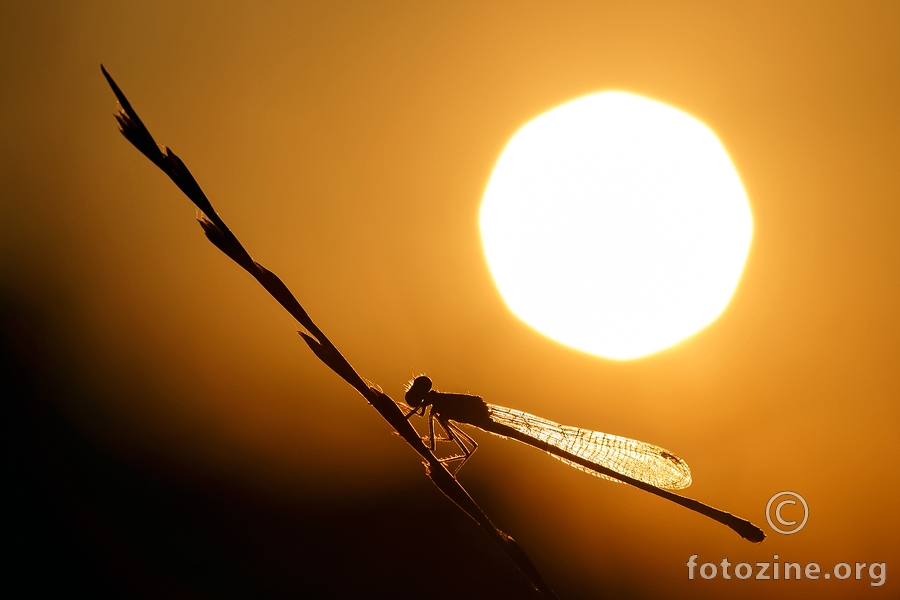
84 517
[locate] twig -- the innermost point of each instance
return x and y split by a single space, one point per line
221 236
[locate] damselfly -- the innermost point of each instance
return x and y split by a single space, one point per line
645 466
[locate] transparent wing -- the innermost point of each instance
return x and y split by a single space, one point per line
638 460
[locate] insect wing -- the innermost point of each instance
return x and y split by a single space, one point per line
638 460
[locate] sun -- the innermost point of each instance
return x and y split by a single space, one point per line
616 225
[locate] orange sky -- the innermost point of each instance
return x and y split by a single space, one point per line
348 147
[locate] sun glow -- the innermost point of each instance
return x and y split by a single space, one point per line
616 225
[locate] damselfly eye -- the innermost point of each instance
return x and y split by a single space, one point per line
421 385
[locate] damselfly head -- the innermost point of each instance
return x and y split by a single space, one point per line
419 387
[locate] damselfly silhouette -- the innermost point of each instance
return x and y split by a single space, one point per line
645 466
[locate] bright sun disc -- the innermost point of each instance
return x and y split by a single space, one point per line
616 225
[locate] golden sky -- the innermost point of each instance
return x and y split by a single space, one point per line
348 146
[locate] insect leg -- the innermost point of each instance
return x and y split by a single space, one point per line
432 438
419 409
432 442
458 435
466 437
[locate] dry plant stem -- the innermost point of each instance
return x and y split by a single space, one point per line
221 236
